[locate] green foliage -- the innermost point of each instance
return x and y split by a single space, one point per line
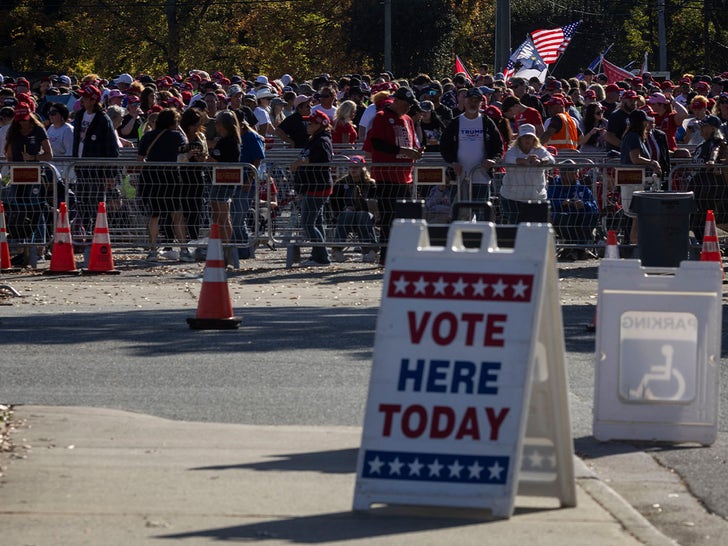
307 37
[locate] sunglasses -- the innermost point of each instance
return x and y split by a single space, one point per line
325 96
52 112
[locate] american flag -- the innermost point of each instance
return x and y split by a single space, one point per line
551 43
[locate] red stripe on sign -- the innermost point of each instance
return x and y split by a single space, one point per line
460 286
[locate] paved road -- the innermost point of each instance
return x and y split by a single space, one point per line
302 356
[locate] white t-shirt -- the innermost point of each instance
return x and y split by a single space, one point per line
471 149
61 140
331 112
368 117
85 122
262 115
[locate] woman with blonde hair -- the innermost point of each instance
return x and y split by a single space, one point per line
527 182
344 131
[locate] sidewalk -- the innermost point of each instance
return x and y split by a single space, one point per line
91 476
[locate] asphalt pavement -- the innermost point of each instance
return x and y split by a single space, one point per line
82 472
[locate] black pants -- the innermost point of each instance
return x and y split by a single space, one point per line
388 193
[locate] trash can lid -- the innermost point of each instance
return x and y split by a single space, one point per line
663 202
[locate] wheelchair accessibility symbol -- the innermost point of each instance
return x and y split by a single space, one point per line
658 357
661 373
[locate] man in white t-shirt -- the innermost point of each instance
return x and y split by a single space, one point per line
264 126
472 144
326 104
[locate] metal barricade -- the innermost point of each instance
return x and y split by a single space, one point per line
709 184
29 193
179 194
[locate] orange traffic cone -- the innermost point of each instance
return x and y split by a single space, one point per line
62 260
214 308
711 248
6 265
611 252
101 260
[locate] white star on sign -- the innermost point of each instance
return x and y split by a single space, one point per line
455 469
475 469
395 466
535 458
401 285
479 288
421 285
415 467
435 468
460 286
375 466
440 286
495 471
499 288
519 289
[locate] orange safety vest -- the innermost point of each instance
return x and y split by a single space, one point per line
566 138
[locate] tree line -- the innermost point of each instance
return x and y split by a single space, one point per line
308 37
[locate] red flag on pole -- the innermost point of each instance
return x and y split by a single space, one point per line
460 67
614 73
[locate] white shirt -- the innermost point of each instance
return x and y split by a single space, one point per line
262 115
3 134
368 117
61 140
471 149
87 119
331 112
525 183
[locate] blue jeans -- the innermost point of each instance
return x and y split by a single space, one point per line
356 221
312 222
240 204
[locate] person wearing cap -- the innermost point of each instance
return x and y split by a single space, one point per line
670 115
292 130
574 211
391 139
526 182
93 137
432 126
720 110
612 94
263 124
312 181
619 120
26 140
709 185
351 211
521 89
472 144
133 119
123 82
560 130
521 114
634 149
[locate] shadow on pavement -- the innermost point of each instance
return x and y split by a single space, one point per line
340 461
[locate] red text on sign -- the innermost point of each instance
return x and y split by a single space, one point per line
445 327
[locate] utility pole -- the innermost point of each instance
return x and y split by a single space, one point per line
388 35
502 34
661 35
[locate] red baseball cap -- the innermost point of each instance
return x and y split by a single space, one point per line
91 92
22 112
318 117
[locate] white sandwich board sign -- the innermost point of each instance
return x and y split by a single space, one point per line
467 402
657 352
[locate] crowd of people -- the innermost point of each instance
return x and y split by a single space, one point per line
479 126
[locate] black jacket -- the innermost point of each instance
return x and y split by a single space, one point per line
100 140
492 140
315 177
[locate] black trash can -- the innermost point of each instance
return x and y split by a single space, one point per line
663 221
